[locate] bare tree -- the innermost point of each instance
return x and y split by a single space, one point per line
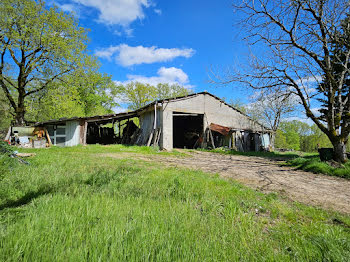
272 108
297 38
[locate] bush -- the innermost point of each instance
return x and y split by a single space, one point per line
5 148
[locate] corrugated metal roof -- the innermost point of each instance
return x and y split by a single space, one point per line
224 130
138 111
90 118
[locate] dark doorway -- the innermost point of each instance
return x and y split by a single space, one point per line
187 130
99 134
251 142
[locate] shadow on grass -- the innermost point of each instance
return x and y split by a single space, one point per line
96 181
27 198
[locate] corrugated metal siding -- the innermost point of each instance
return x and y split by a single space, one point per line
147 124
72 133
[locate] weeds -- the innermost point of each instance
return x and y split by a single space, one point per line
315 165
72 205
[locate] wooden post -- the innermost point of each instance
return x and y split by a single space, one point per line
150 138
8 135
210 133
211 138
85 132
119 128
158 138
155 115
48 136
230 142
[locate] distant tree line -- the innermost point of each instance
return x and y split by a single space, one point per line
289 135
297 135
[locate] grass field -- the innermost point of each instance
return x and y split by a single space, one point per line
305 161
71 204
315 165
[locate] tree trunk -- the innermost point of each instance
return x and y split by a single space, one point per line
340 152
273 140
19 118
20 110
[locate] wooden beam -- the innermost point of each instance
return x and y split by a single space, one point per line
179 114
48 136
150 138
211 138
8 135
85 133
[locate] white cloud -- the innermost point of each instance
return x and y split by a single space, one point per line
309 83
129 32
309 80
117 12
158 11
69 8
134 55
316 111
107 53
171 75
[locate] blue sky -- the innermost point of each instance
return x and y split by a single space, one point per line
155 41
163 41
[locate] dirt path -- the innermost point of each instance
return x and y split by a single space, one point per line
265 175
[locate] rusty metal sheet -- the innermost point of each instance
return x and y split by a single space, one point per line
224 130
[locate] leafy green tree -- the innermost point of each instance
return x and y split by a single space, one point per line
301 128
316 139
38 45
293 140
5 112
55 103
280 140
170 90
137 94
81 94
97 91
310 137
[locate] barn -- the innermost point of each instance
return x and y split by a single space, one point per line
197 120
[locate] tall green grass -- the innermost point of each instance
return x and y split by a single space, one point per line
74 205
315 165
